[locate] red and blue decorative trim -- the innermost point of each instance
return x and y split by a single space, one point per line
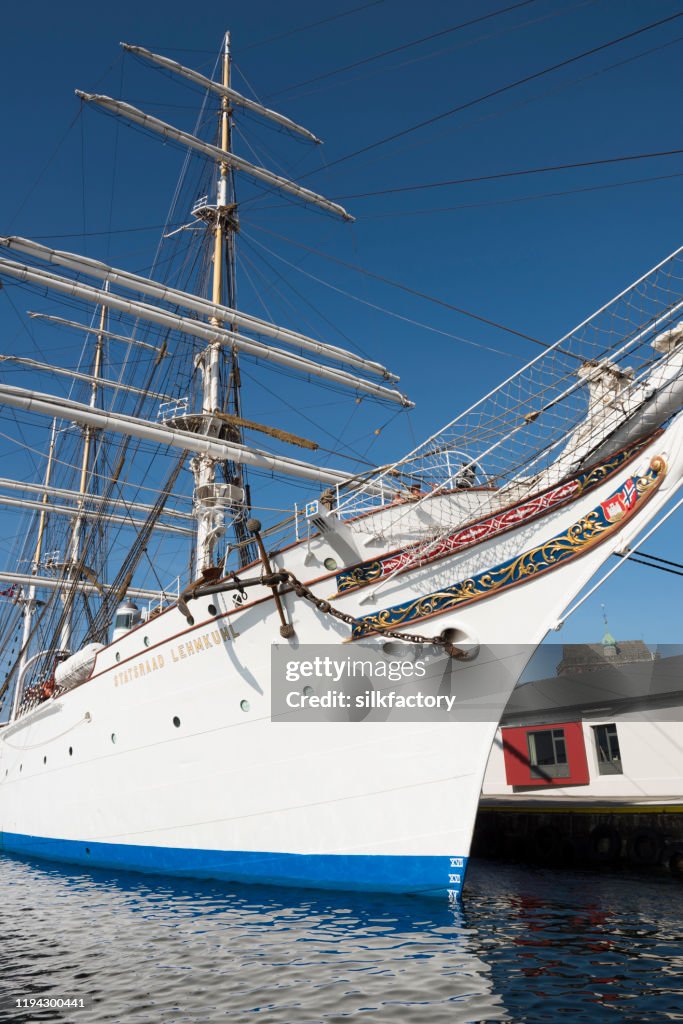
398 561
594 527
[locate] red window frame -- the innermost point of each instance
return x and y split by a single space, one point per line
516 755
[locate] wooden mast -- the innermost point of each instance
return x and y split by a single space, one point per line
29 595
222 293
74 553
229 226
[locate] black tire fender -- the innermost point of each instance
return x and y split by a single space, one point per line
644 847
605 844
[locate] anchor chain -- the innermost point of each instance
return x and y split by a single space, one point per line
284 577
301 590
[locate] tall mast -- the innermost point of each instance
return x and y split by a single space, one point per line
29 595
213 425
231 226
211 499
74 553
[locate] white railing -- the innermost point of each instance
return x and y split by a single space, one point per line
438 472
172 409
550 408
166 596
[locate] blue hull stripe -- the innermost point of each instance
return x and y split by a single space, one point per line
358 872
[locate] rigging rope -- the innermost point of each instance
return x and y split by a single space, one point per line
399 49
375 306
496 92
100 624
514 174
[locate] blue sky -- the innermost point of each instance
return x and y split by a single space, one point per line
536 264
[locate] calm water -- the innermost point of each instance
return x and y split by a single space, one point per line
528 946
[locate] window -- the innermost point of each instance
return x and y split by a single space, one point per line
548 754
123 621
552 754
607 749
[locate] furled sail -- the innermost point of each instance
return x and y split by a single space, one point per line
56 583
51 405
130 113
112 517
6 483
135 282
207 332
62 322
35 364
222 90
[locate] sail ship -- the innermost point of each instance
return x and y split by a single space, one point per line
144 738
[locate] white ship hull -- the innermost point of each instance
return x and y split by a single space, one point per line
103 776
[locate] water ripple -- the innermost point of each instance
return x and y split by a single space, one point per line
528 947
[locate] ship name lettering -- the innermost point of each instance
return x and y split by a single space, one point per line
200 644
142 668
179 652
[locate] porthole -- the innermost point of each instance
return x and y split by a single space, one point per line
245 705
87 850
118 655
308 691
71 751
113 737
176 721
146 641
330 564
212 610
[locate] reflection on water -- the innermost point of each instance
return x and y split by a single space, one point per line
527 947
